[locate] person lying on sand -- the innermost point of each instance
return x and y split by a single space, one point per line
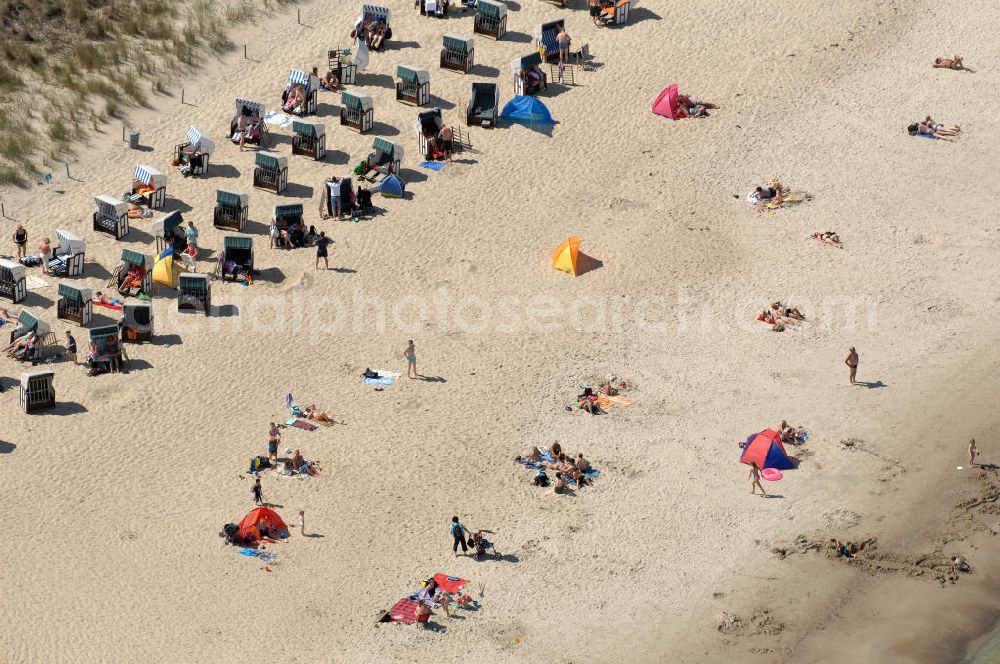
694 108
930 128
300 464
790 434
841 549
20 343
959 564
534 456
760 195
312 413
954 62
792 313
939 126
8 315
829 237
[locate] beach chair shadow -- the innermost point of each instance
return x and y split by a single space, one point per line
518 37
167 340
394 45
225 171
173 205
296 190
7 448
137 235
225 311
138 365
33 299
640 14
441 103
271 275
410 176
65 408
383 129
378 80
485 71
96 271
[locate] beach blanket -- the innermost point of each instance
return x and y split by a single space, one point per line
32 282
450 584
435 166
266 556
592 473
107 306
383 372
383 380
301 424
277 119
624 402
404 611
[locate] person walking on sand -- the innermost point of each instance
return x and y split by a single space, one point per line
302 522
322 242
410 353
71 347
459 534
258 498
20 241
973 452
563 40
852 363
755 479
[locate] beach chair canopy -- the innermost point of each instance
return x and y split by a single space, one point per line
199 142
458 43
311 129
26 321
388 148
69 244
237 242
527 62
75 293
545 34
33 376
375 12
15 269
290 210
137 313
765 449
491 8
136 258
253 107
566 255
297 77
167 224
667 104
257 520
527 110
99 333
271 160
485 96
411 74
228 198
429 122
111 205
149 176
355 101
192 281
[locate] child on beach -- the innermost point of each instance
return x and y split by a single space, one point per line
755 479
973 452
258 498
302 522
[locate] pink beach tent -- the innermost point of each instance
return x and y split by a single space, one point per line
667 104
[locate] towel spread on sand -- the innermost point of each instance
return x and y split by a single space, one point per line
277 119
107 306
302 424
250 552
404 611
383 380
435 166
450 584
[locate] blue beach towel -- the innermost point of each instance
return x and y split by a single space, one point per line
435 166
383 380
249 552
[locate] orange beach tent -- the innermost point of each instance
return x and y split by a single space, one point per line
257 519
566 255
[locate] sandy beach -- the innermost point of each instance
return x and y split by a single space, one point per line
116 496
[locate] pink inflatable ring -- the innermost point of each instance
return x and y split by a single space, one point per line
771 474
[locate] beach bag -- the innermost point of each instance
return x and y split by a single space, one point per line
361 168
370 374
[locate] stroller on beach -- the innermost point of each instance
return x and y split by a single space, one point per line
481 545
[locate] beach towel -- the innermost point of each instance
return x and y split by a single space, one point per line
266 556
591 474
624 402
383 380
450 584
404 611
107 306
391 374
301 424
435 166
277 119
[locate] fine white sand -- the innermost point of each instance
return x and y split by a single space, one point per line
114 499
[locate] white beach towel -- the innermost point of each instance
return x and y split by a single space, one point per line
278 119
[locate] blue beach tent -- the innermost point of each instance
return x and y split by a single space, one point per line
527 110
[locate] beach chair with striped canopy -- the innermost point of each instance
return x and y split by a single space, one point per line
151 185
384 159
491 19
413 86
271 172
230 210
255 129
169 233
483 105
309 138
193 154
194 292
236 258
134 275
111 216
106 357
76 303
529 79
458 53
617 14
137 322
69 256
356 111
311 85
13 281
339 62
37 390
283 218
545 38
376 14
27 322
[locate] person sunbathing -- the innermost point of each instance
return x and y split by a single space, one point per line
446 137
312 413
608 389
830 238
959 564
534 456
786 312
104 299
582 464
930 128
7 315
587 401
20 344
556 450
330 80
694 108
841 549
296 99
938 126
132 280
954 62
378 35
760 195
